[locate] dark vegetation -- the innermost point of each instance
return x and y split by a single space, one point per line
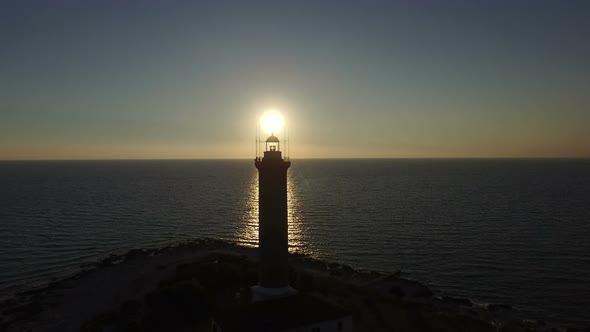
185 300
379 302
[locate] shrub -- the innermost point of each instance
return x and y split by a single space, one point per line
181 303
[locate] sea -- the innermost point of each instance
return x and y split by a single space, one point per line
492 230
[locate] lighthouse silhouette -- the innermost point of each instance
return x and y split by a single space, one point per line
272 305
273 233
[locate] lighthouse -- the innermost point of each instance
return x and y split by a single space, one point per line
272 304
272 222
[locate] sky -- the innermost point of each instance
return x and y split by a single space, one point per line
353 79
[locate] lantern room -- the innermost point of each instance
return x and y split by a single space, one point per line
272 143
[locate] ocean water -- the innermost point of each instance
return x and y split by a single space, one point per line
501 231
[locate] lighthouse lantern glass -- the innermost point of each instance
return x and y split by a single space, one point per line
272 146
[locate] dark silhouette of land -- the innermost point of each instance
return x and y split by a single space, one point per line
177 289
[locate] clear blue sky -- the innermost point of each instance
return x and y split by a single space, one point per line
189 79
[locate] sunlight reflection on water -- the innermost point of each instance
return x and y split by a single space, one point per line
296 228
448 223
247 232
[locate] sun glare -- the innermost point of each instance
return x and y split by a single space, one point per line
272 121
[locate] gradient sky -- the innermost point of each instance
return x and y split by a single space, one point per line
189 79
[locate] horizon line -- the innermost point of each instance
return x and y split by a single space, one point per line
309 158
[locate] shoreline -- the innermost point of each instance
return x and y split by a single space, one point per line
65 304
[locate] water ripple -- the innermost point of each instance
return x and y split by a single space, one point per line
492 230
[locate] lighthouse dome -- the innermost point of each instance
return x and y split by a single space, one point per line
272 139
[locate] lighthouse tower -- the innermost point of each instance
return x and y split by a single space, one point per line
273 225
274 305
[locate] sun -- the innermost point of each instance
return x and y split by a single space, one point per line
272 121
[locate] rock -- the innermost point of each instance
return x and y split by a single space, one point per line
495 307
534 323
415 289
8 303
305 282
336 273
34 291
134 253
132 326
396 290
130 308
182 301
110 260
402 287
512 326
27 309
452 322
571 329
458 300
